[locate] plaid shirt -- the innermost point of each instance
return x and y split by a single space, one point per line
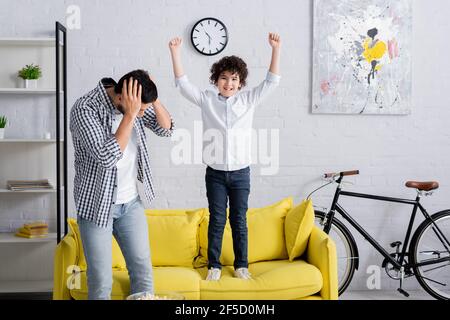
97 152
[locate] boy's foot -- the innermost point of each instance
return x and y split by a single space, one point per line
214 274
242 273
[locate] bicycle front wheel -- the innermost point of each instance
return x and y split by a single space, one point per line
346 250
430 255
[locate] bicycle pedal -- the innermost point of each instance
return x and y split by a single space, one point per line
403 292
396 244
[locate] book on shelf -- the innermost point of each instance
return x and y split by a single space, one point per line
35 225
33 230
20 185
31 236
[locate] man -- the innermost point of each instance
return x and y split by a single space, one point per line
111 158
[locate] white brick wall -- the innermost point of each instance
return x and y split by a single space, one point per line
118 36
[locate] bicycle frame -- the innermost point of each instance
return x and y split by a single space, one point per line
336 207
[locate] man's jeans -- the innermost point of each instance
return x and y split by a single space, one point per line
129 226
221 186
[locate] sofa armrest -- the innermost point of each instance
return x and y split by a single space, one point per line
65 256
321 252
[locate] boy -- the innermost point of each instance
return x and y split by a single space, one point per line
227 112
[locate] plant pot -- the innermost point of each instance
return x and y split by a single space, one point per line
30 84
2 133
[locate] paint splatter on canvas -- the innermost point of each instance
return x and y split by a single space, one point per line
362 56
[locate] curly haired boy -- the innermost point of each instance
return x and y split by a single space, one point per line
227 115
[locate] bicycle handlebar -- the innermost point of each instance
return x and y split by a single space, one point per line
341 174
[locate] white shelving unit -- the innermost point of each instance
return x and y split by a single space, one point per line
26 286
29 140
27 264
8 237
28 191
35 42
26 91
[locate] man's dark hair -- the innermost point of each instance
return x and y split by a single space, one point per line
231 64
149 91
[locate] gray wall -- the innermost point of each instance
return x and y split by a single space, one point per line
117 36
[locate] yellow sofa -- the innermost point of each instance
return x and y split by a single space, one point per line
289 257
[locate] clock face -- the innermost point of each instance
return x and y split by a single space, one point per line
209 36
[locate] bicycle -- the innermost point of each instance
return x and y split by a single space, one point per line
428 255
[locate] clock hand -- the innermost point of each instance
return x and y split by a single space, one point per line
209 37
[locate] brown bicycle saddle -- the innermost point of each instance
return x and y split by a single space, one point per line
423 186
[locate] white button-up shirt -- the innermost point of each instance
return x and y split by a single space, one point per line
227 122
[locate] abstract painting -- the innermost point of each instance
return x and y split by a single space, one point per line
362 56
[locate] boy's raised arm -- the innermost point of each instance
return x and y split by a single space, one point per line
275 43
175 53
187 89
257 94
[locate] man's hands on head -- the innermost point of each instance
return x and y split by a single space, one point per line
131 97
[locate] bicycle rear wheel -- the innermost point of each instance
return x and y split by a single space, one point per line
431 245
346 249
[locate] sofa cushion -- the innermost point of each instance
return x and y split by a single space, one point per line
174 236
118 261
185 281
278 279
298 225
266 240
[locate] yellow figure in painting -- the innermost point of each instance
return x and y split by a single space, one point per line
374 50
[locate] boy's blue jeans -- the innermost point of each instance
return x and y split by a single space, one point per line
221 186
129 226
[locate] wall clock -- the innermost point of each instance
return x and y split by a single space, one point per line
209 36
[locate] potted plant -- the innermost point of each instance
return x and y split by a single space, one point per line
3 122
30 73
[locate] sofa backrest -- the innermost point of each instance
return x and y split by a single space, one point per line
266 239
180 237
173 236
